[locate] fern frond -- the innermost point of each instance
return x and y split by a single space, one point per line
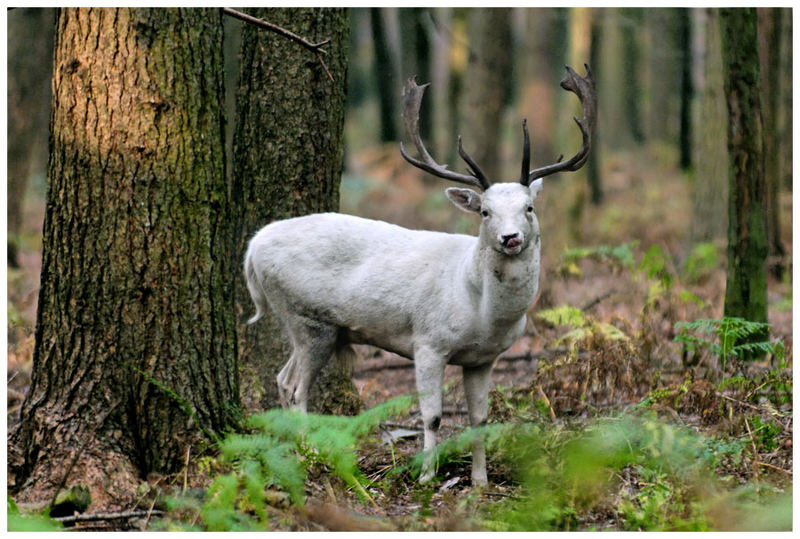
564 315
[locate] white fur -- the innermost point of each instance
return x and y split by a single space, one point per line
436 298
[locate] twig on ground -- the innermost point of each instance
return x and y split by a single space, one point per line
755 451
92 517
768 465
598 299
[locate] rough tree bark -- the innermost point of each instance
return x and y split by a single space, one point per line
288 149
135 348
746 286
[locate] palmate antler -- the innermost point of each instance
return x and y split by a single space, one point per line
412 98
583 87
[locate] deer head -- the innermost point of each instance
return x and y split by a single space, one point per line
509 222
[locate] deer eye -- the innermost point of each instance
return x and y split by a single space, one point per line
485 213
529 209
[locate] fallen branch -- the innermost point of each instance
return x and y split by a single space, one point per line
768 465
316 48
598 299
93 517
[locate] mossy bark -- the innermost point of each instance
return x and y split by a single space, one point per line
746 286
135 348
288 154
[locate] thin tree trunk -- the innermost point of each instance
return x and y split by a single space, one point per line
416 59
769 56
746 287
30 63
632 20
710 178
288 161
537 92
486 86
135 348
685 47
384 78
593 177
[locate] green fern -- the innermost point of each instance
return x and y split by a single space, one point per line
583 327
727 338
278 454
564 315
619 255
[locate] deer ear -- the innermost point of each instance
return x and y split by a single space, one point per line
466 199
535 187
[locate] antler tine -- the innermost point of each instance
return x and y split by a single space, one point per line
412 99
472 166
526 152
584 88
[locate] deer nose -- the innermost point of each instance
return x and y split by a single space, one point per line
511 240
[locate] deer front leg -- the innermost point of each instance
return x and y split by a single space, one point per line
429 373
476 390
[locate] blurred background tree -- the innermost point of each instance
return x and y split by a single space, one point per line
30 44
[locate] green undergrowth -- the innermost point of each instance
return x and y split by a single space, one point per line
275 457
629 472
31 522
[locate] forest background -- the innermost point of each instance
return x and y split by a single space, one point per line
630 327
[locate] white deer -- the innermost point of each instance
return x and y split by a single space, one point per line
435 298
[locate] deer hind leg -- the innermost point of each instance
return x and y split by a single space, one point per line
313 344
429 374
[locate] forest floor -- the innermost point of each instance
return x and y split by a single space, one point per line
629 297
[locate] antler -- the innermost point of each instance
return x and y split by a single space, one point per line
584 88
412 98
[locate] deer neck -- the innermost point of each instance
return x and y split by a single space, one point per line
505 286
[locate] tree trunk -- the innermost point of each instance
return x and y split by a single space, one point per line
769 27
288 162
710 178
786 117
538 80
416 59
685 48
384 78
135 348
746 286
632 20
485 88
593 176
30 63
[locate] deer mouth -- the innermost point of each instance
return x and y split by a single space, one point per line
512 246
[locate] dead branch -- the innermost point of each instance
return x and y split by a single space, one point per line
598 299
316 48
93 517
